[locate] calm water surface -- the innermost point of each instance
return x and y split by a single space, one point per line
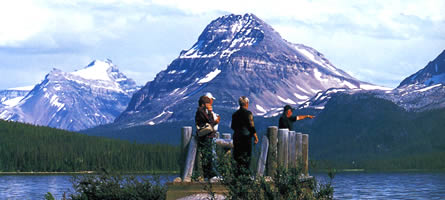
350 185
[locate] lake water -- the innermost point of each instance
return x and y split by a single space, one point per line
347 185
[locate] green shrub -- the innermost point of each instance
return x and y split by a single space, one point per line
286 184
107 186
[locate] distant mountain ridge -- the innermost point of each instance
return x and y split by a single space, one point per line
432 74
12 96
76 100
236 55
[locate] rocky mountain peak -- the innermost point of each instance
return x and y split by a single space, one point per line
76 100
226 35
96 70
433 73
236 55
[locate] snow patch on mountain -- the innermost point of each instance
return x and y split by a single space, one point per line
97 70
311 56
24 88
210 76
288 101
260 108
428 88
12 102
302 97
374 87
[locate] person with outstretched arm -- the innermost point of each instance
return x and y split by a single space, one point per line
244 130
287 120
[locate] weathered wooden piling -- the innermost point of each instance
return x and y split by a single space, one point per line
263 156
299 142
283 146
280 147
272 154
186 135
190 161
305 152
292 151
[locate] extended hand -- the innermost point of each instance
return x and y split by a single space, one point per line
310 116
218 119
256 138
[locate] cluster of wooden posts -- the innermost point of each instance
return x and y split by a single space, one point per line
280 147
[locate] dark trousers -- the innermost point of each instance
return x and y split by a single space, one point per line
242 151
205 156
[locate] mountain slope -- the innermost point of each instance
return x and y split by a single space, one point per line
235 55
424 90
364 131
12 96
74 101
433 73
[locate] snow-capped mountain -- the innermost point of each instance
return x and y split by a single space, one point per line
92 96
236 55
432 74
424 90
12 96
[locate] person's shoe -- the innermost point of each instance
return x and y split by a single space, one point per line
216 179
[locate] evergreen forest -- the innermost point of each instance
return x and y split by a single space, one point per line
28 148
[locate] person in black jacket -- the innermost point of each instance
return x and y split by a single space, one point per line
204 116
244 129
287 120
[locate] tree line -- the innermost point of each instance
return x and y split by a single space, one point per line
25 148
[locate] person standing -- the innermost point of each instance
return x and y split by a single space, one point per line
244 129
205 122
215 116
287 120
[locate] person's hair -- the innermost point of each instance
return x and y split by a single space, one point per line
203 100
286 108
243 101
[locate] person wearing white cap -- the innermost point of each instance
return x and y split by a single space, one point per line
215 116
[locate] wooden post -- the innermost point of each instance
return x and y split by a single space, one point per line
306 154
186 135
299 148
190 160
272 134
263 156
283 146
292 150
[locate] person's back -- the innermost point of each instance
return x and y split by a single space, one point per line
240 121
244 128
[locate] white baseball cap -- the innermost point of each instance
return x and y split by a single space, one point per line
208 94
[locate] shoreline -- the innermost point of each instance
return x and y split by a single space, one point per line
377 170
88 172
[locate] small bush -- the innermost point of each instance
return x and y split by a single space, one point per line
106 186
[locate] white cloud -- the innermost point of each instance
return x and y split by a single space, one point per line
361 37
20 20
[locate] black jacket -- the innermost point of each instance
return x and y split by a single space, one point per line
286 122
242 122
202 117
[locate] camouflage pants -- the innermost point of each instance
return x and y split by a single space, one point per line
204 158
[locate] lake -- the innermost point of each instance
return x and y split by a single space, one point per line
348 185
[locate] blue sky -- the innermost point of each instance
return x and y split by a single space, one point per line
379 41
